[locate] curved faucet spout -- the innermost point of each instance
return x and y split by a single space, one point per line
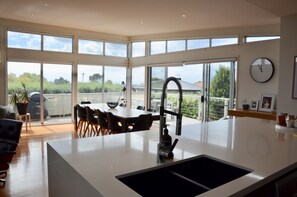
163 113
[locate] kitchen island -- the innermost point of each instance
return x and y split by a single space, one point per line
89 166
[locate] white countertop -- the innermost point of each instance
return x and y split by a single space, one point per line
252 143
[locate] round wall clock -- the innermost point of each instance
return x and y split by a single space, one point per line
262 70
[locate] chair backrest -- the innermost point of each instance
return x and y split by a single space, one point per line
85 102
113 125
102 118
151 110
10 130
90 115
81 112
140 107
143 122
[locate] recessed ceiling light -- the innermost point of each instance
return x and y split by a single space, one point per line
32 14
45 4
184 15
141 22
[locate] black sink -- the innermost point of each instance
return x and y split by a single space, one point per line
189 177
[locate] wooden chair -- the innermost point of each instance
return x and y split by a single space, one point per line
140 107
10 131
92 123
143 122
102 121
82 123
113 124
85 102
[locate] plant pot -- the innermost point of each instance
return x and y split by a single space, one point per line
22 108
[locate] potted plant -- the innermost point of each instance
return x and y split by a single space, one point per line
20 99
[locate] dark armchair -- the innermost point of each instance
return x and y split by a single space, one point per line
10 131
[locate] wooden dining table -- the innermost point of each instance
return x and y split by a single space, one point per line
126 115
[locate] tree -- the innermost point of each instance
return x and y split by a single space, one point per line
219 87
221 83
95 77
61 80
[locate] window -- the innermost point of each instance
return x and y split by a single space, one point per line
60 44
114 49
138 49
198 44
23 40
223 41
113 78
176 45
158 47
137 90
260 38
89 83
90 47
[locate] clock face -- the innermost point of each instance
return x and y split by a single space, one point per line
262 70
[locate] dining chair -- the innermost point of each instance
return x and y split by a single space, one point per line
102 121
113 124
143 122
82 123
140 107
92 123
151 110
85 102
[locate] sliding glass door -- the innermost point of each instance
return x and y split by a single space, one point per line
49 87
208 89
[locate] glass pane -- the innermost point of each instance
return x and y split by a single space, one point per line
23 40
220 76
90 47
260 38
158 47
198 44
57 91
118 50
60 44
29 74
158 76
113 79
90 84
137 90
176 45
223 41
138 49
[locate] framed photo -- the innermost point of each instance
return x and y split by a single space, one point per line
294 92
267 102
254 105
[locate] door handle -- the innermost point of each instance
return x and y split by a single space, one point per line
202 99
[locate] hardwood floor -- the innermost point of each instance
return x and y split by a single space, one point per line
27 175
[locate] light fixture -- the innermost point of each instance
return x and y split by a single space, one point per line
183 15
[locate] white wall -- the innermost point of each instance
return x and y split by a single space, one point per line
288 50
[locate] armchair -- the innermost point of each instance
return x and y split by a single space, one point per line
10 131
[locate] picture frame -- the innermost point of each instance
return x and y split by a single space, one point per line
294 92
267 102
254 105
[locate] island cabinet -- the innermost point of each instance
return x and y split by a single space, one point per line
91 166
283 186
252 114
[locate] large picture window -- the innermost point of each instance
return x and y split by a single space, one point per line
23 40
60 44
90 47
115 49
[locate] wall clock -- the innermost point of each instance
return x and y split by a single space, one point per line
262 70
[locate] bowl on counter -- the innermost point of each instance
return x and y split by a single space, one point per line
112 105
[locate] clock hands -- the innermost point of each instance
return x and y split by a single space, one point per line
260 67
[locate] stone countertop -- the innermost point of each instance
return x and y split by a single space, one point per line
255 144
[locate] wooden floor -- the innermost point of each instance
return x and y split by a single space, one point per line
27 175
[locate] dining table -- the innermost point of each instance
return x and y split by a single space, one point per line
126 115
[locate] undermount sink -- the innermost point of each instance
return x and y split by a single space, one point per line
189 177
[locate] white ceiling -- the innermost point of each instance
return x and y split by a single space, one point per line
142 17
